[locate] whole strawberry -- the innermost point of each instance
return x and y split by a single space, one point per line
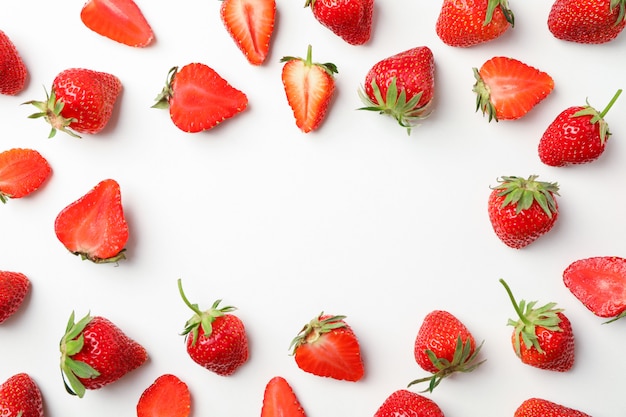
402 86
13 289
521 210
20 397
543 336
216 339
444 346
81 100
349 19
473 22
587 21
538 407
95 353
22 171
578 135
404 403
13 72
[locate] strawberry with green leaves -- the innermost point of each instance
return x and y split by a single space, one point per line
507 89
543 336
327 347
198 98
215 338
95 353
118 20
539 407
279 400
404 403
13 71
472 22
578 135
522 210
444 346
22 171
13 289
20 397
94 226
587 21
351 20
250 23
402 86
309 87
167 396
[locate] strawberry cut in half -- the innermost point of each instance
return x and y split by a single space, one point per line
168 396
94 227
599 283
22 171
13 71
507 89
279 400
250 23
119 20
198 98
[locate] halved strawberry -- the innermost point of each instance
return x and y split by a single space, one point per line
279 400
250 23
119 20
199 98
22 171
600 284
94 226
168 396
507 89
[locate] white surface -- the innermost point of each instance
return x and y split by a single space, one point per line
357 218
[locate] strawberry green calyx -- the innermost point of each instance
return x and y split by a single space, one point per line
483 97
162 100
622 10
202 319
329 67
72 343
524 192
317 327
529 319
504 6
50 110
599 117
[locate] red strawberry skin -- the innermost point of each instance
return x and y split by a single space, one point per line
250 23
119 20
404 403
13 289
558 348
279 400
13 71
586 21
349 19
20 396
538 407
22 171
168 396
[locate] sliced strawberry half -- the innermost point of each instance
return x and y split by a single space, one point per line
250 23
22 171
600 284
279 400
119 20
168 396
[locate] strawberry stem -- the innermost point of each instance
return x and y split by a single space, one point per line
608 106
519 312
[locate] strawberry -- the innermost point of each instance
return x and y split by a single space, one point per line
507 89
600 284
94 227
309 88
198 98
521 210
250 23
404 403
443 346
543 336
578 135
279 400
473 22
20 396
13 71
81 100
13 289
351 20
587 21
402 86
216 340
538 407
328 347
119 20
95 353
168 396
22 171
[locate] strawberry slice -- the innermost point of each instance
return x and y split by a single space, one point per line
250 23
22 171
119 20
507 89
94 226
168 396
600 284
279 400
199 98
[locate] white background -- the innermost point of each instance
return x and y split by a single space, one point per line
357 218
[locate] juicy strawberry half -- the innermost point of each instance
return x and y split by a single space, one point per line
588 22
22 171
279 400
199 98
168 396
328 347
119 20
94 227
600 284
309 88
13 71
507 89
13 289
20 396
404 403
250 23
